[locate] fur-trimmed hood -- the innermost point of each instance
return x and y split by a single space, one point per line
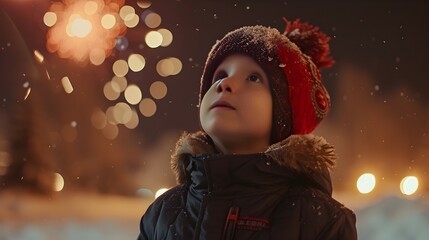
307 155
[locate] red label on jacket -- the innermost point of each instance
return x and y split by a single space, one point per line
253 223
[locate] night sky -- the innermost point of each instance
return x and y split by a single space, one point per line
386 38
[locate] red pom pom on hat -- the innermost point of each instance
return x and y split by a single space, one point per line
310 40
309 99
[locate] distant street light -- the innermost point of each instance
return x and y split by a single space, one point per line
409 185
366 183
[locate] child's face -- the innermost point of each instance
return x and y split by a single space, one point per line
243 85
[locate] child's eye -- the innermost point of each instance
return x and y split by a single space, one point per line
255 78
219 75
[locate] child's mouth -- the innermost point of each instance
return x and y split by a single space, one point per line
222 105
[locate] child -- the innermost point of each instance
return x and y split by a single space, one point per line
254 172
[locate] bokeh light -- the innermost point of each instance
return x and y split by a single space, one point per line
126 11
110 116
27 93
98 119
78 27
409 185
133 94
90 7
169 66
121 82
167 37
39 57
121 43
144 192
160 192
134 121
144 4
122 113
153 39
136 62
158 90
147 107
50 18
58 182
110 131
68 88
110 90
97 56
120 68
177 64
108 21
366 183
152 20
131 20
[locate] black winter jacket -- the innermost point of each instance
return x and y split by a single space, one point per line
283 193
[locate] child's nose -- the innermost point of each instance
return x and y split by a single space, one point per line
227 84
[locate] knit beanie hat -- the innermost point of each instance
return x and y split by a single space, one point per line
292 62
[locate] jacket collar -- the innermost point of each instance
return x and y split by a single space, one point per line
307 158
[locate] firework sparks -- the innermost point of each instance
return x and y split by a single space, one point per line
84 30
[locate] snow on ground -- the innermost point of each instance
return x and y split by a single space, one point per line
73 216
394 218
69 216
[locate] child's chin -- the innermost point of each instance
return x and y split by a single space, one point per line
225 134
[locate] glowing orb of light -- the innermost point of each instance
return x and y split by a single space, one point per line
147 107
79 27
167 37
99 119
108 21
68 87
50 19
121 82
90 7
97 56
131 20
143 4
121 43
122 113
39 57
120 68
134 122
58 182
152 20
133 94
111 90
136 62
366 183
160 192
126 11
158 90
409 185
169 66
153 39
111 131
144 192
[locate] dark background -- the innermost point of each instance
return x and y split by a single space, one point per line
379 119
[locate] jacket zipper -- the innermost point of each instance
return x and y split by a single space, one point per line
201 216
231 223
